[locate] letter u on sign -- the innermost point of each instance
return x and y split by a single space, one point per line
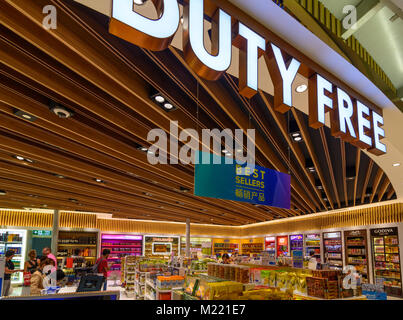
147 33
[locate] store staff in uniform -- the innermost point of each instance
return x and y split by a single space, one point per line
9 270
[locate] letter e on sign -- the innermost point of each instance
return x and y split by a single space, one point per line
378 147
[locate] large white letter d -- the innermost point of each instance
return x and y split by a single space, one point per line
147 33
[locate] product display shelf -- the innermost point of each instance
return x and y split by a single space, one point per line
129 273
86 242
14 240
356 252
121 245
252 248
333 250
387 268
312 244
225 247
154 292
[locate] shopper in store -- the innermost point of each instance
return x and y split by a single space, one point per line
32 264
47 252
38 276
312 264
101 266
226 259
8 271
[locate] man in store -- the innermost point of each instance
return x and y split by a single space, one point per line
102 266
8 271
47 252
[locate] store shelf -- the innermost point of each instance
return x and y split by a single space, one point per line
149 283
77 245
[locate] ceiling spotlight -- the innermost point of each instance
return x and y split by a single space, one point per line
24 115
184 189
2 193
144 149
44 205
29 160
319 187
228 154
297 139
99 180
60 111
301 88
225 151
168 106
396 164
150 152
59 176
73 200
33 196
147 194
19 157
295 133
159 99
309 165
182 19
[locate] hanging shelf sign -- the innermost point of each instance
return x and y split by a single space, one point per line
257 185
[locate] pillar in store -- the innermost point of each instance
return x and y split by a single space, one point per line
187 251
55 231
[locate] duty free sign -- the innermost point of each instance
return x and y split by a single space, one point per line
353 119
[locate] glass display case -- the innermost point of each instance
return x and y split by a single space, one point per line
355 242
14 240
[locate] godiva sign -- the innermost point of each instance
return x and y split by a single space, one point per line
351 119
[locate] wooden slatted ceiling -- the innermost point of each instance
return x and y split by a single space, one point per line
107 82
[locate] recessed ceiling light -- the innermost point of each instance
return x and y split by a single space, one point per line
29 160
44 205
98 180
168 106
3 193
319 187
150 152
396 164
24 115
60 111
301 88
225 151
297 138
144 149
19 158
228 154
59 176
159 99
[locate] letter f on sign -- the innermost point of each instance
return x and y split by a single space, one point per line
155 35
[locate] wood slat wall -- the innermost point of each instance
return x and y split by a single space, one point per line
390 213
26 219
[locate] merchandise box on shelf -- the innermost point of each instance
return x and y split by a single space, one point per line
16 240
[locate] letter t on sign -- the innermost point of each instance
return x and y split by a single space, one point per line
283 75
